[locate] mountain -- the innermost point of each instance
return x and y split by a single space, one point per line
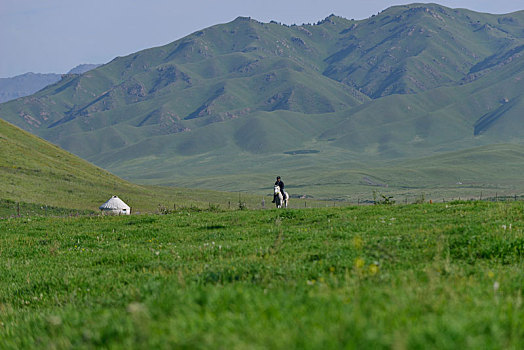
251 99
29 83
82 68
25 85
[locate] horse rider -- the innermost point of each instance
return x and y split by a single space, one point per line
280 184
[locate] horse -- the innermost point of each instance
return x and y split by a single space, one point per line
279 199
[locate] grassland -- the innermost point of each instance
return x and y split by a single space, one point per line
44 179
478 173
432 276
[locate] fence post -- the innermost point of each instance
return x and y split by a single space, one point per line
18 208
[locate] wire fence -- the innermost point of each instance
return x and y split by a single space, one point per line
300 203
9 209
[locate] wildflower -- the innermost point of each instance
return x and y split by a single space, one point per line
373 269
491 274
496 286
357 242
359 263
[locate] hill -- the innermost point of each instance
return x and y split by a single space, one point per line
252 99
29 83
33 171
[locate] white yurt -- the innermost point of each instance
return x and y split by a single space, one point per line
115 206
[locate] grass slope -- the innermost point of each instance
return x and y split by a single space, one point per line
418 47
35 171
484 111
420 276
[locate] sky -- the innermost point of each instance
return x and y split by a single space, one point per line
53 36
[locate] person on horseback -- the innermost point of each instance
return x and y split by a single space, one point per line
280 184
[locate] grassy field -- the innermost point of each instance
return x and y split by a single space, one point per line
444 276
478 173
36 175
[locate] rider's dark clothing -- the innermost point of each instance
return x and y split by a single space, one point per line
280 183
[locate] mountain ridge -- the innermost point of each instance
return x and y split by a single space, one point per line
412 81
28 83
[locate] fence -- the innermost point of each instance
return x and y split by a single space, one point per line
19 209
10 208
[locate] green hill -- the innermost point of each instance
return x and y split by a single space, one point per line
249 99
419 47
33 171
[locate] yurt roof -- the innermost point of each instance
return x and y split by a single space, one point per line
114 203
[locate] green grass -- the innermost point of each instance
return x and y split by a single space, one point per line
11 209
37 174
472 173
440 276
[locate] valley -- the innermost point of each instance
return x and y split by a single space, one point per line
238 100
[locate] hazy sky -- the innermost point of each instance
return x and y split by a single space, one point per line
53 36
